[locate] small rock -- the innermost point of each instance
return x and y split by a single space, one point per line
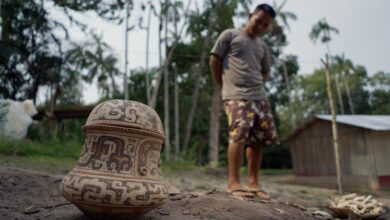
264 201
322 215
176 197
312 209
13 181
161 212
279 210
173 190
211 191
186 212
31 210
301 207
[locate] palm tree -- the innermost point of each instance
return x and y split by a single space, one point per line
94 63
166 85
151 9
283 17
126 86
323 30
199 67
155 89
176 18
344 67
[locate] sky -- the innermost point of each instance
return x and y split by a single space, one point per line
364 35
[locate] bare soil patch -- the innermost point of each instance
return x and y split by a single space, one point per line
28 194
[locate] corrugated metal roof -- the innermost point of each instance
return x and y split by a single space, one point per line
373 122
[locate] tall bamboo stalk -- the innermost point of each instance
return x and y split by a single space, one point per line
334 124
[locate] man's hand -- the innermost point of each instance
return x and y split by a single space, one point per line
216 70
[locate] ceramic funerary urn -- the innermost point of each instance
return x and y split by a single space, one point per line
118 174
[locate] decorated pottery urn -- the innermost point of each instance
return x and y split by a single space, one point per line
118 174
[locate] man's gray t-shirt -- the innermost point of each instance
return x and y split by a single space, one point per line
244 59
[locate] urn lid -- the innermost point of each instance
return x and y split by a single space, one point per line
127 114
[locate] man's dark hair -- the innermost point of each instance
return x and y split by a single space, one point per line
267 9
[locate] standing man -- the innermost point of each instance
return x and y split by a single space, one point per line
240 65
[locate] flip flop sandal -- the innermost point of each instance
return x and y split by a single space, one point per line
240 193
260 193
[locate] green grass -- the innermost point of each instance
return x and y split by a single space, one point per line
52 155
60 154
40 163
170 166
51 147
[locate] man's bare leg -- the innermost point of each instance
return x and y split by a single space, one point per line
234 161
235 152
253 156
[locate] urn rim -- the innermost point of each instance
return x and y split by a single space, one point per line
125 114
108 127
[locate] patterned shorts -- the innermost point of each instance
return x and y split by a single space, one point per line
250 122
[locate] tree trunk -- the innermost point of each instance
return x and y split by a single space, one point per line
147 80
55 91
113 85
349 95
214 127
176 98
341 103
5 25
177 119
126 86
198 78
166 91
154 92
334 124
292 112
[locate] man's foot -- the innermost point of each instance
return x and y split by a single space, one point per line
239 192
258 192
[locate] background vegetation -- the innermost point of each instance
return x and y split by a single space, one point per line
37 53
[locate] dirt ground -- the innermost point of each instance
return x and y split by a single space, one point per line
34 194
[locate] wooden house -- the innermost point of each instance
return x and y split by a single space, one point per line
364 146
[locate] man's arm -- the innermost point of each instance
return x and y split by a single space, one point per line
216 69
265 64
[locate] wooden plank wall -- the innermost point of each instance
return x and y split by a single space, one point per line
313 154
310 151
380 143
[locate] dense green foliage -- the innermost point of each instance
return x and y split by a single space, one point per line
43 138
36 52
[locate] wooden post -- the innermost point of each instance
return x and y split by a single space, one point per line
334 123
